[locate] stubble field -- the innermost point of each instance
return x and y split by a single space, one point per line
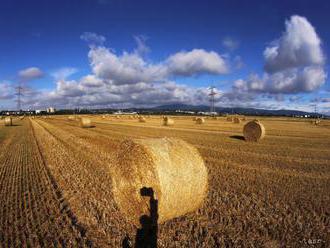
56 189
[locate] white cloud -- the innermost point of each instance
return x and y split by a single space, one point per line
142 48
64 73
6 91
298 46
291 81
197 61
128 68
93 39
293 64
230 43
131 68
30 73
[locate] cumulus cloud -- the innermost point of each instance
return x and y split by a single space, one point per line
93 39
230 43
30 73
131 68
293 63
64 73
291 81
197 61
129 79
6 91
128 68
298 46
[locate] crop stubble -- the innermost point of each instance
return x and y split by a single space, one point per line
272 193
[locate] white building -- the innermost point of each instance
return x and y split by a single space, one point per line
51 110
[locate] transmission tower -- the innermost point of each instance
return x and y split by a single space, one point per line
212 98
315 111
19 94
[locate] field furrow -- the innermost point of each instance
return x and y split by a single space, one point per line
33 211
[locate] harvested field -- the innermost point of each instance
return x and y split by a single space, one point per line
57 189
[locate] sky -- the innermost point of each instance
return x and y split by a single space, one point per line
125 53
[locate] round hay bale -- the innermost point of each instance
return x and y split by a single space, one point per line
254 131
86 123
142 119
172 168
237 120
8 121
167 121
230 119
200 120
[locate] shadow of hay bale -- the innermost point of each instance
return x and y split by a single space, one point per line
239 137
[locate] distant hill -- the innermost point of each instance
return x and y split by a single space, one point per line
245 111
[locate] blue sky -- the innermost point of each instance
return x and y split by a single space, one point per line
187 46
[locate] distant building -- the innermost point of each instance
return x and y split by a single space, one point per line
51 110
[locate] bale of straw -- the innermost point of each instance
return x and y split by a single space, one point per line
8 121
237 120
254 131
167 121
200 120
142 119
230 119
86 123
171 167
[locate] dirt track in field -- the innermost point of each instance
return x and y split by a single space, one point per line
272 193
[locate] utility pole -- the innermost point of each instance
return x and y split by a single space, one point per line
212 98
19 95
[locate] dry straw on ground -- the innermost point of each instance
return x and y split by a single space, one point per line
200 120
254 131
86 123
237 120
167 121
174 170
8 121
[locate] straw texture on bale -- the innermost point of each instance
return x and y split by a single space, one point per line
171 167
200 120
316 122
86 123
229 118
142 119
8 121
254 131
237 120
167 121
